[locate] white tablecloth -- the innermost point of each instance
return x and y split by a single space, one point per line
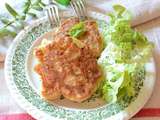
146 17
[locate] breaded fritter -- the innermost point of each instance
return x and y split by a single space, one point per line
67 69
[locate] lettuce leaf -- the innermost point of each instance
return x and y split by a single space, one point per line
126 50
77 30
119 81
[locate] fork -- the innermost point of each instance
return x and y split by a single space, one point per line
79 7
53 15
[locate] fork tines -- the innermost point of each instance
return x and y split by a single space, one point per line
53 15
79 7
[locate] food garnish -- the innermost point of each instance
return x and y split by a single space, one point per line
63 2
126 51
77 30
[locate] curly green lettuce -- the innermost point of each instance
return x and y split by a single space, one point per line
126 49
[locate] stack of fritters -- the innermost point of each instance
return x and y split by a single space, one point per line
67 69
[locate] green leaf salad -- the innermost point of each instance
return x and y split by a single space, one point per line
125 52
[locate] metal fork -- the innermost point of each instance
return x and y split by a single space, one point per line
79 7
53 15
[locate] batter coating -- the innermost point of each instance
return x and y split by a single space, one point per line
67 69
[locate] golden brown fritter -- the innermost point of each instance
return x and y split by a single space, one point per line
92 38
67 69
82 78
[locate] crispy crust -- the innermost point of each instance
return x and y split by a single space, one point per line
68 70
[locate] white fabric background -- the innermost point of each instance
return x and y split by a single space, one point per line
142 11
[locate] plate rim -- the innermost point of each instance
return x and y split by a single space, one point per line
33 110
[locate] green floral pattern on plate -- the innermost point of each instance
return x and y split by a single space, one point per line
20 79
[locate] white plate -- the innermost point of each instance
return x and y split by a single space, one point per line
24 83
